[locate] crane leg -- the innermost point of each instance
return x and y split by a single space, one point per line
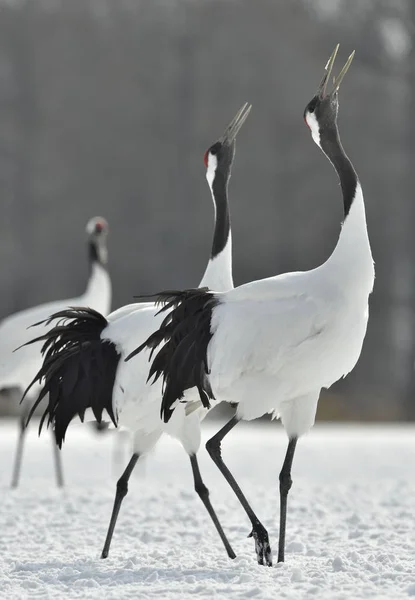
203 494
19 451
285 486
58 462
259 533
122 489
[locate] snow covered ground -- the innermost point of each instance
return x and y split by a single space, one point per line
351 521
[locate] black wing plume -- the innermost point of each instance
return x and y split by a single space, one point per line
186 333
78 370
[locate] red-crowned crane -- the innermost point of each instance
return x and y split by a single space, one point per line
272 345
18 368
84 353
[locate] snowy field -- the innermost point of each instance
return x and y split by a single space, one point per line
350 534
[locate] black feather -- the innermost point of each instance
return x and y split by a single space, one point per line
185 334
78 370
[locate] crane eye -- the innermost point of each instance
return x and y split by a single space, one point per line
312 105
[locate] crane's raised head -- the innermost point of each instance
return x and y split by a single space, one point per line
97 231
320 114
97 227
219 157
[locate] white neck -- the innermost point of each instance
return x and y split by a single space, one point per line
352 257
98 292
218 274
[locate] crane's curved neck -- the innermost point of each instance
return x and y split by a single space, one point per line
331 145
98 292
97 253
218 274
352 254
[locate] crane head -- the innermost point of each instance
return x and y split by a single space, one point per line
219 157
97 231
97 227
320 114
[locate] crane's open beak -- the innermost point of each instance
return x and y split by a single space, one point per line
236 123
322 89
342 73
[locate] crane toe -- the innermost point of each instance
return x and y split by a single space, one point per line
262 546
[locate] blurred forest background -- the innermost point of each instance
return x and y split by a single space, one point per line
107 107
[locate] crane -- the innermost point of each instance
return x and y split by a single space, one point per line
84 367
17 369
271 345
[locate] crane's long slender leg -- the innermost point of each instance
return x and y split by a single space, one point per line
122 489
58 462
285 486
19 451
203 494
259 533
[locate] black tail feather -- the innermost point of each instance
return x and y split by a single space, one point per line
182 360
78 370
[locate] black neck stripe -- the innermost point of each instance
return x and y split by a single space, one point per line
93 254
223 221
332 147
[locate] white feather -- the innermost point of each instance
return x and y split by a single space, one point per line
282 339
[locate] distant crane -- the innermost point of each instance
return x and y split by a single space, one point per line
17 369
84 353
271 345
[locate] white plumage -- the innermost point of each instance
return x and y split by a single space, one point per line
272 345
311 326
